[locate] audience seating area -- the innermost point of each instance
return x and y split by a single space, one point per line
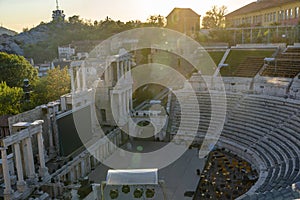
263 130
245 62
250 66
204 106
287 64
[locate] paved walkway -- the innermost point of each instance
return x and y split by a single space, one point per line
179 177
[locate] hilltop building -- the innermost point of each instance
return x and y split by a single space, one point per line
58 15
184 20
265 13
66 52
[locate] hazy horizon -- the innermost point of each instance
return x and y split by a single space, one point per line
17 14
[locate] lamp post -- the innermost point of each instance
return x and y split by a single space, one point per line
26 90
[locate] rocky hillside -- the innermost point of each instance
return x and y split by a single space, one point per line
7 31
15 44
41 42
9 45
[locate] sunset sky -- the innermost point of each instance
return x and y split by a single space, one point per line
19 14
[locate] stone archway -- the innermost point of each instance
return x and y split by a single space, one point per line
145 127
145 130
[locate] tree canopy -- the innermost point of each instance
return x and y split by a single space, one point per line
52 86
10 99
214 18
14 69
156 20
58 33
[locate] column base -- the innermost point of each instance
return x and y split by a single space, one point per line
32 180
8 194
21 186
43 172
52 152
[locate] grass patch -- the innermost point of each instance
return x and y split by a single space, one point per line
216 56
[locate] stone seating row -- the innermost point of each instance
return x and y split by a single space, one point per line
265 126
255 131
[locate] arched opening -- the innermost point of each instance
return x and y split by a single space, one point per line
145 131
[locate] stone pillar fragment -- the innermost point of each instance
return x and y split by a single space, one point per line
7 182
43 171
21 184
30 160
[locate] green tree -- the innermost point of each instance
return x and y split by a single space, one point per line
156 20
52 86
14 69
214 18
75 19
10 99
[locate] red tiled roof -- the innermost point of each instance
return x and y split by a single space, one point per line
259 5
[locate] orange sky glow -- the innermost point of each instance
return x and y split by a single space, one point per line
19 14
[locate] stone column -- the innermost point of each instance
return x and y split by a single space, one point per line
71 72
127 101
120 106
106 75
83 69
88 164
106 151
78 80
96 156
124 104
50 134
122 69
72 175
30 160
21 184
7 182
43 171
116 142
83 167
96 161
130 98
100 152
125 70
109 147
129 69
118 69
78 175
55 134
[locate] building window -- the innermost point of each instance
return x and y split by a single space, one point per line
281 15
274 16
296 12
287 14
291 13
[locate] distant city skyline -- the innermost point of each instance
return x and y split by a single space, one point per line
19 14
